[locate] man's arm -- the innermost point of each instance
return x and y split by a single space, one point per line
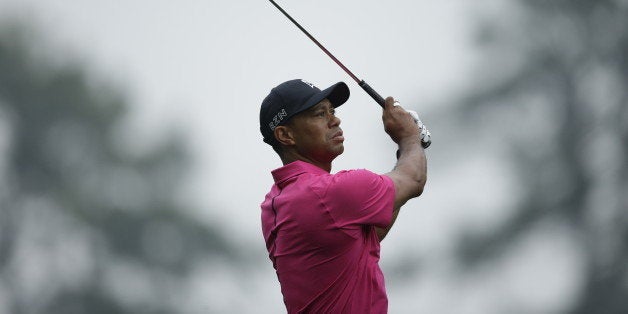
410 172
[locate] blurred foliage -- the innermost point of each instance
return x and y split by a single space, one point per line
554 91
87 224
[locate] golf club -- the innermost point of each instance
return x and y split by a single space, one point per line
425 135
362 83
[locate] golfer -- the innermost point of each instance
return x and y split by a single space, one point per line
323 230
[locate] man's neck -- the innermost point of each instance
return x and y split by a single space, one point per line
288 158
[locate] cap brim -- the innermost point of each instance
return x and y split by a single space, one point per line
337 94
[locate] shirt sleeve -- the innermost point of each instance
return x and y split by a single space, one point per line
361 197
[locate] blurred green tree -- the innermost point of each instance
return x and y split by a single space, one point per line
87 224
555 88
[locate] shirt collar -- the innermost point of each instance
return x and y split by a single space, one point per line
294 169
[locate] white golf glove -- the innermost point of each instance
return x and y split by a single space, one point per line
425 134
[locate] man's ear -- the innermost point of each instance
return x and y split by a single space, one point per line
284 135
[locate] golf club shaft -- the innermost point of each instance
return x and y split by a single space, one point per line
366 87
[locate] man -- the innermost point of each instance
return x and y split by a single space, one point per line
323 230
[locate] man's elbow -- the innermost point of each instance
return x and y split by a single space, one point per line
420 185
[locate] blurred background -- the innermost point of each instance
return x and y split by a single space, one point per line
132 168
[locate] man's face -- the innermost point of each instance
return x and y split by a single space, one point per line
317 133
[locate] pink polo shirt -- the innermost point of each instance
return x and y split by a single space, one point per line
320 235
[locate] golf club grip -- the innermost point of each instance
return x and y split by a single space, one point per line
369 90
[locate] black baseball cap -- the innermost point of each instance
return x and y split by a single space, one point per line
292 97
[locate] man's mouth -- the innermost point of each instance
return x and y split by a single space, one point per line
338 136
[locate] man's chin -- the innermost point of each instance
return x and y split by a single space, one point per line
338 151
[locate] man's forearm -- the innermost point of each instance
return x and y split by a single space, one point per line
409 176
411 167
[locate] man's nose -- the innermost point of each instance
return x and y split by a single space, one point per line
334 121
